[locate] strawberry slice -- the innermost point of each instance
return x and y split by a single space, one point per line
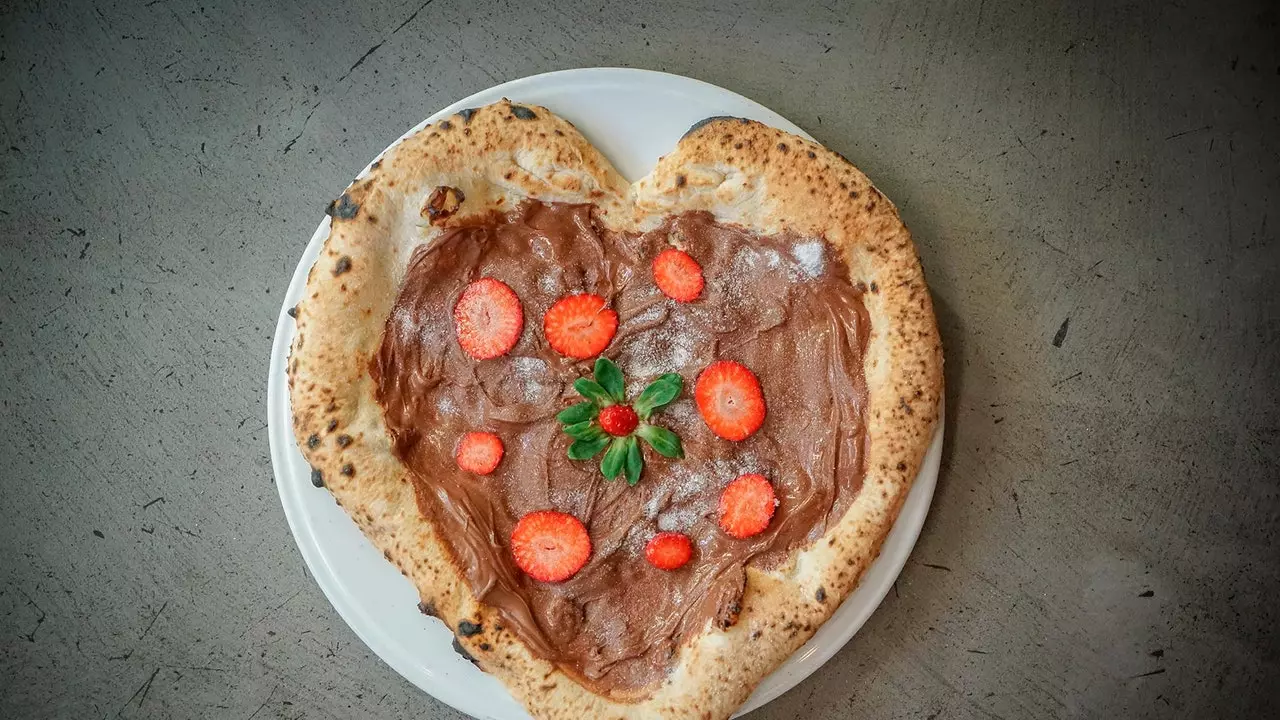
668 550
479 452
678 275
488 319
747 505
618 420
550 546
730 400
580 326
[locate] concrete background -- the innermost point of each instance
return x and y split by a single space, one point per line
1092 188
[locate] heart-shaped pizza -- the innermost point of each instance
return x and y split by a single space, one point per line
633 444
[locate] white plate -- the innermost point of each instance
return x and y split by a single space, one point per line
633 116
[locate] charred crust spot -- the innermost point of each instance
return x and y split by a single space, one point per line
782 147
821 595
343 265
812 155
292 312
871 204
755 634
428 608
707 121
680 180
446 125
333 425
457 647
508 175
853 193
348 469
902 467
344 440
344 208
313 442
317 477
874 288
730 618
466 114
376 164
905 407
466 628
486 647
558 133
523 112
860 286
442 203
737 146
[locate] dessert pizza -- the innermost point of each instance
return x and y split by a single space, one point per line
633 444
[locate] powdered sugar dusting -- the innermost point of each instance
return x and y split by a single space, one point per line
529 375
651 316
680 412
613 629
746 259
655 505
637 538
688 481
810 256
445 405
666 348
680 519
548 284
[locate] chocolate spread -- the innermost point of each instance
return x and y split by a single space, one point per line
782 305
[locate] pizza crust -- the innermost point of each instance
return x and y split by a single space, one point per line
741 171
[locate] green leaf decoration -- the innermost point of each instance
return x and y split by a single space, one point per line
660 392
614 459
635 462
609 376
661 439
581 412
585 430
624 455
591 390
587 449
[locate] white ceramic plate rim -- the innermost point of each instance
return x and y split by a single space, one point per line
335 551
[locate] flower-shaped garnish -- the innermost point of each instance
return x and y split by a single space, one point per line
606 421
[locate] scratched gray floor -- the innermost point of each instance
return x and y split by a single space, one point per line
1093 188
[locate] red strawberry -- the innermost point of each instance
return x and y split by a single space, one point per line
618 420
730 400
580 326
668 550
479 452
488 319
678 275
550 546
746 506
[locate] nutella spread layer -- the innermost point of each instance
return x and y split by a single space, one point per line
781 305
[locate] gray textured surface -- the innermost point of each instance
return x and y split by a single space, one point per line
1103 540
